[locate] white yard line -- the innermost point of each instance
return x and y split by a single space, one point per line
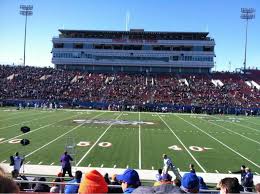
82 158
247 120
233 131
14 114
182 144
59 137
37 129
140 148
245 126
24 122
219 142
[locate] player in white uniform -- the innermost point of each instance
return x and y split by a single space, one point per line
168 165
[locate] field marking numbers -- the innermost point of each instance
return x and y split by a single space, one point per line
235 132
140 148
37 129
59 137
82 158
83 143
219 141
182 144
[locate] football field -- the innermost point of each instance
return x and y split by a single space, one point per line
213 143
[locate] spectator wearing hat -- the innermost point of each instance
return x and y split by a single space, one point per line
65 163
93 182
229 185
129 180
73 188
190 183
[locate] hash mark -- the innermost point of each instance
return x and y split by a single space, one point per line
229 172
216 171
126 166
89 165
39 162
3 161
178 169
52 163
28 162
114 166
102 165
152 168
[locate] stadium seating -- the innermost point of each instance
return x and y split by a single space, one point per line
49 84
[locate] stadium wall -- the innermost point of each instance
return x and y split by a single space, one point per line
149 107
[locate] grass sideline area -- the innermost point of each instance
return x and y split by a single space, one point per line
213 143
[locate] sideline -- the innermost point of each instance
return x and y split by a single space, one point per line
144 174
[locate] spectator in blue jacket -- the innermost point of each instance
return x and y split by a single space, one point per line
74 188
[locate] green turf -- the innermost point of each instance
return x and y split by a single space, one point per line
233 140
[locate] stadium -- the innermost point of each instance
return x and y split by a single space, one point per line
121 100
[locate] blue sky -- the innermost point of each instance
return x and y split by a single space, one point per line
220 17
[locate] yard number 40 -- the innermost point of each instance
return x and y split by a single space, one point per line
192 148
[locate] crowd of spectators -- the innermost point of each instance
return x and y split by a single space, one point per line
17 82
127 182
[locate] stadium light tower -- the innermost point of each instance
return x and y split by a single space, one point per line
247 14
25 10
